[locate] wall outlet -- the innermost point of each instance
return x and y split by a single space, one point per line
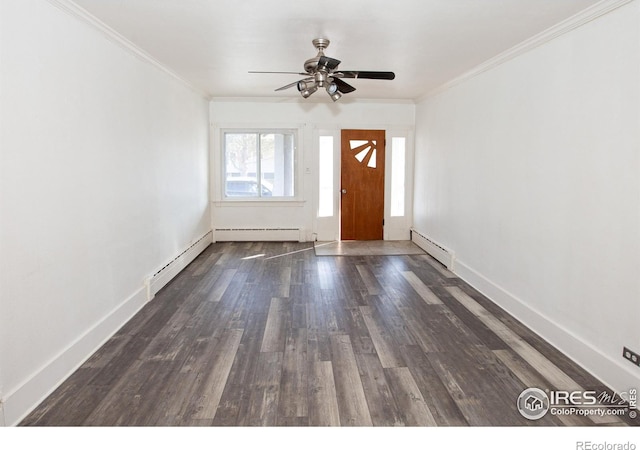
631 356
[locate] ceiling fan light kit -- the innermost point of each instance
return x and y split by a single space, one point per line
321 71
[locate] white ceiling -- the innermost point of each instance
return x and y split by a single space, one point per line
212 44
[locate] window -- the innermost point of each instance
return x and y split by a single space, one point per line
325 177
259 164
397 176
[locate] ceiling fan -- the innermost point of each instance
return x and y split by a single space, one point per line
322 72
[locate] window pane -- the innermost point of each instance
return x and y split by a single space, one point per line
241 165
397 175
325 207
277 164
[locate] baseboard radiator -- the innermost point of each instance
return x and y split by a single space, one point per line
258 234
439 252
162 276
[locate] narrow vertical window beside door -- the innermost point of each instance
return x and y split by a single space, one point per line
325 175
397 176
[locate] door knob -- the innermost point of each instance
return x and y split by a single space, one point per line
344 191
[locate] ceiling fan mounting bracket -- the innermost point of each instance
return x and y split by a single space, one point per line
321 44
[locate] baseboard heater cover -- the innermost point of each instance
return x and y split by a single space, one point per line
161 277
438 251
258 234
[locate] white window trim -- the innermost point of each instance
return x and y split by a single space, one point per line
218 183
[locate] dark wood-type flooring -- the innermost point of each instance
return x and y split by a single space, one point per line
269 334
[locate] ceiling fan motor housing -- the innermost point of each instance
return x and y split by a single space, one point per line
320 44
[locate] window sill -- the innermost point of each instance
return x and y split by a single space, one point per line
259 203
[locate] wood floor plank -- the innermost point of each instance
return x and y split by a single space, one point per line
319 346
183 385
325 275
284 281
107 352
483 333
386 348
359 333
221 285
352 402
265 391
444 409
393 320
234 403
380 400
468 402
205 261
416 283
293 401
373 287
275 331
323 399
413 408
129 399
213 386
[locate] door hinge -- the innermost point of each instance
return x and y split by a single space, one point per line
382 222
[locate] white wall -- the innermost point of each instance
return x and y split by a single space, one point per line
103 180
309 117
530 172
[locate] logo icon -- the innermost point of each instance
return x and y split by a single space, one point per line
533 403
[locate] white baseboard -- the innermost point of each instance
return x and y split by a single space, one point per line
259 234
21 401
608 370
175 266
444 255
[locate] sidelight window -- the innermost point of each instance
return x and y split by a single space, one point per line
397 176
325 177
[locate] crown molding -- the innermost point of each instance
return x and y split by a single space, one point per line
583 17
71 8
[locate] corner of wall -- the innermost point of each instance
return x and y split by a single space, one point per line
2 421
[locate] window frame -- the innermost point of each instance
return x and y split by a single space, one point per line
293 131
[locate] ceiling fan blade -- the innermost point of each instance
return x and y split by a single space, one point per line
288 73
368 74
343 87
329 63
292 84
287 86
